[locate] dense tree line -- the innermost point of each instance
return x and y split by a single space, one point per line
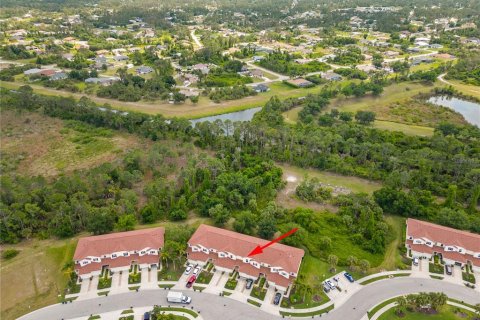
446 164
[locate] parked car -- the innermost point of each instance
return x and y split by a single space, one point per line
326 288
196 271
348 276
330 284
415 261
448 269
336 279
249 283
146 316
189 269
191 280
278 297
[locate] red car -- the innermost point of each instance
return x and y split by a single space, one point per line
191 280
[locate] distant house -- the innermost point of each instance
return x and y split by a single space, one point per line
261 88
203 68
331 76
58 76
144 70
102 81
192 78
120 58
31 72
258 58
391 54
189 93
257 73
436 46
68 56
47 72
300 82
302 61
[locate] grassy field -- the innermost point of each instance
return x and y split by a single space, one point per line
48 146
34 278
408 129
465 88
445 313
392 259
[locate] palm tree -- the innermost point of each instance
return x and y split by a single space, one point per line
401 305
165 256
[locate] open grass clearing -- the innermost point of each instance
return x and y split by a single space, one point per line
393 93
393 259
36 274
354 184
466 89
49 146
307 314
408 129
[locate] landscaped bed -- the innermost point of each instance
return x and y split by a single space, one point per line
168 273
253 302
258 291
435 268
204 277
301 298
105 281
469 277
445 313
135 276
231 284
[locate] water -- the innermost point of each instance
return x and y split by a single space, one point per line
244 115
469 110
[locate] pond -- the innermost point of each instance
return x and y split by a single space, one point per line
469 110
244 115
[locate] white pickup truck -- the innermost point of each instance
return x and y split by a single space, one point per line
178 297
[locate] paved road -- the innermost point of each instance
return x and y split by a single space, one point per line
214 307
366 298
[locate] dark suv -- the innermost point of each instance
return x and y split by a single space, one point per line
278 297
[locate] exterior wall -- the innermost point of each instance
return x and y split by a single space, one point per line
416 254
91 274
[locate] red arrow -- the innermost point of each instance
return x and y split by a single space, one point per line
259 249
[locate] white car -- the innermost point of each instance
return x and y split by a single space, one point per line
330 284
415 261
196 271
189 269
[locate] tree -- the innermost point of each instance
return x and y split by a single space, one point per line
219 214
194 99
266 227
364 265
352 262
365 117
126 223
332 261
100 221
244 222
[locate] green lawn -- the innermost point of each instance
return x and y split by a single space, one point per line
385 277
445 313
469 277
307 314
204 277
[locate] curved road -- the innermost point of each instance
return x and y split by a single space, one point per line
213 307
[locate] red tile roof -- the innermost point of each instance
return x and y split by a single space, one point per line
242 267
122 241
276 255
447 236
